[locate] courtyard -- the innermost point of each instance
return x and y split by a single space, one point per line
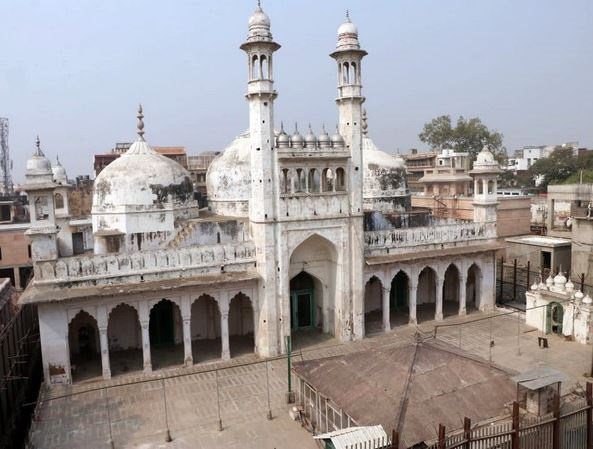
134 409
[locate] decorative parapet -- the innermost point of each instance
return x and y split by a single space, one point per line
429 235
156 264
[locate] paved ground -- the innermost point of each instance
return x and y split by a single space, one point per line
137 411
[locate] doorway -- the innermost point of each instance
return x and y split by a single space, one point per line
302 303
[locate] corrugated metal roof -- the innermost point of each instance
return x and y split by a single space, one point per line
444 385
346 438
537 378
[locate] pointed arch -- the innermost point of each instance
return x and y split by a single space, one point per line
451 289
426 294
166 334
473 287
124 335
373 305
84 345
400 298
241 325
205 330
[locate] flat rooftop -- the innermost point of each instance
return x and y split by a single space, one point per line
540 240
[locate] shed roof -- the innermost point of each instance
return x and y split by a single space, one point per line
350 436
537 378
412 388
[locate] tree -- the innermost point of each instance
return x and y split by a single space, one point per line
468 136
555 168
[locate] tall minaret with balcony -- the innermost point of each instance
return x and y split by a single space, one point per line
348 56
260 48
485 173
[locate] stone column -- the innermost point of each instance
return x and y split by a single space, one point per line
412 302
224 329
105 353
188 358
462 295
439 299
146 346
386 310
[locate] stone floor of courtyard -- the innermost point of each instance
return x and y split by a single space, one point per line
134 403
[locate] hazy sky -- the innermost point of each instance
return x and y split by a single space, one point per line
74 71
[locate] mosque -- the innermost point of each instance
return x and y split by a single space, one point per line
303 235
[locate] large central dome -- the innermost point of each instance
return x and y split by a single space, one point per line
141 179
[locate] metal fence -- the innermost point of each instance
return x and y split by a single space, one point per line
568 426
20 375
513 280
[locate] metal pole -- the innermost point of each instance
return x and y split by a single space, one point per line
518 333
490 342
218 403
290 394
111 443
515 280
268 390
168 438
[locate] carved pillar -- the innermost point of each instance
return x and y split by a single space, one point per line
188 359
439 299
462 295
412 301
105 353
224 327
146 346
386 310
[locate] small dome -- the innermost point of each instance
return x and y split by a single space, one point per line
569 286
587 300
259 19
550 280
324 139
310 139
578 295
283 140
347 28
337 139
59 173
297 139
38 167
534 286
560 279
485 157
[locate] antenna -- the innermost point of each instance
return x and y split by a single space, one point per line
6 187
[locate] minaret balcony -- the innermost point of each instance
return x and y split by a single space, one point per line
260 86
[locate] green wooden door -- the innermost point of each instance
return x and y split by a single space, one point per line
302 309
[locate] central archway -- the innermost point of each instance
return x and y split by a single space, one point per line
426 296
451 291
166 334
312 290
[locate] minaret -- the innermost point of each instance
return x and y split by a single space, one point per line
485 173
260 47
348 56
40 187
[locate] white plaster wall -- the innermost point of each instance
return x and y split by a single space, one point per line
53 331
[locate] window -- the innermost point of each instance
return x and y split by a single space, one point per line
29 250
5 212
0 253
59 201
340 179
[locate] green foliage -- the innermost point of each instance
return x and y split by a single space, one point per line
560 166
575 178
467 136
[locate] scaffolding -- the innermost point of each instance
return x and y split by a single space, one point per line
6 187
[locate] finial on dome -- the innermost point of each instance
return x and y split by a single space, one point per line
296 128
140 124
38 152
365 125
348 16
281 127
259 4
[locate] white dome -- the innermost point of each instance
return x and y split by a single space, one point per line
142 180
347 28
228 179
59 173
259 18
38 169
384 186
